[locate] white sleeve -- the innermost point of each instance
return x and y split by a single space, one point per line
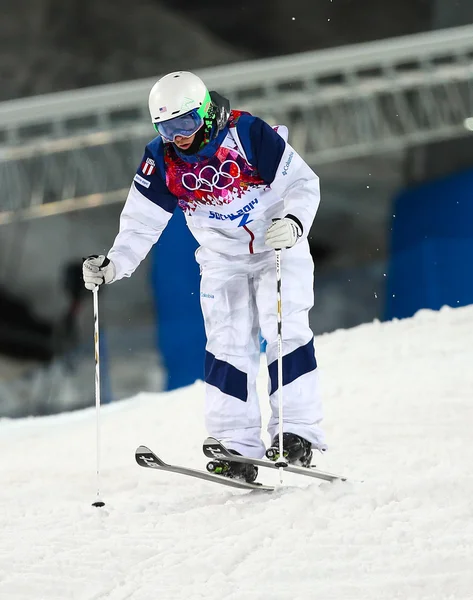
298 185
141 224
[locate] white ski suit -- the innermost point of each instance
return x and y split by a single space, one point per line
230 191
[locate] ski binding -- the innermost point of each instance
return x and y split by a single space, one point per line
214 449
147 458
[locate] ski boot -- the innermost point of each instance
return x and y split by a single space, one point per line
233 470
297 451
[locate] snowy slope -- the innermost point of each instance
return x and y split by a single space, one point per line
399 415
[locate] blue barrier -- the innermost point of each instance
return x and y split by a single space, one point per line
175 281
431 247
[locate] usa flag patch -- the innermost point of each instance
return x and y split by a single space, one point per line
148 167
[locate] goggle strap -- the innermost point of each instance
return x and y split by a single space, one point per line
203 110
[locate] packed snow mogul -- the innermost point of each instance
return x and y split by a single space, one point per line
245 192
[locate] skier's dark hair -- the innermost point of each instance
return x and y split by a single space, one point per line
221 110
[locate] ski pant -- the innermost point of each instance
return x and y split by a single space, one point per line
238 299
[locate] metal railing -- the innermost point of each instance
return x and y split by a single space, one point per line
80 148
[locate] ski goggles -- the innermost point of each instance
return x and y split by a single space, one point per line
184 125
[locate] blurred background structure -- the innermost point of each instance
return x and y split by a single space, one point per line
378 98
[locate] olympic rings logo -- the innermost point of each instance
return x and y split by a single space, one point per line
210 179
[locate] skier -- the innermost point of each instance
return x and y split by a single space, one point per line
245 192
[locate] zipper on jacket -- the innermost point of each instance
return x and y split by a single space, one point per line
252 237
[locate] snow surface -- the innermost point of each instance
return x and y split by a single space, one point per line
399 416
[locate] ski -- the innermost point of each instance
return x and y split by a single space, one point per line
147 458
215 449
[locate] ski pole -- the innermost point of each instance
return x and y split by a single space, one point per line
281 462
98 502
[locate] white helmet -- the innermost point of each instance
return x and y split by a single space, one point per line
177 94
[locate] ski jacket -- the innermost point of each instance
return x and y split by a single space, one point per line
230 191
